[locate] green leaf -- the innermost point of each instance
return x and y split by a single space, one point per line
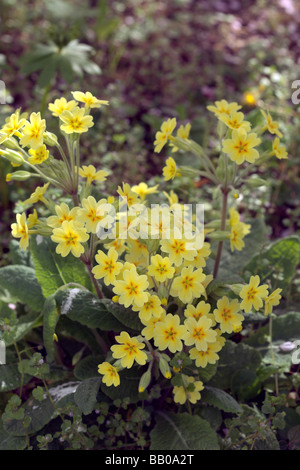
277 263
23 326
88 367
126 316
8 442
128 388
220 399
182 432
245 384
86 394
10 377
51 316
21 283
54 271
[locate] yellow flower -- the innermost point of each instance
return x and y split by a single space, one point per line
240 147
128 350
177 250
188 285
38 155
63 213
182 394
170 170
253 294
210 356
69 238
88 99
168 333
143 190
91 174
183 132
279 149
12 125
199 333
223 107
162 136
91 213
38 195
33 131
148 331
172 197
235 121
129 196
110 373
201 310
76 121
271 300
200 259
161 268
131 289
226 314
20 230
152 307
236 236
108 267
272 126
60 105
32 219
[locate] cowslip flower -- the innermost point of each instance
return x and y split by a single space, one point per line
236 236
162 136
198 311
60 105
142 190
161 268
107 266
272 300
279 149
12 125
178 250
240 147
128 350
226 314
199 333
131 290
63 212
33 131
92 213
272 126
170 169
209 356
223 107
38 155
152 307
38 195
91 174
20 230
252 294
88 99
235 120
183 132
148 331
188 285
200 259
69 238
110 374
182 394
168 333
76 121
128 196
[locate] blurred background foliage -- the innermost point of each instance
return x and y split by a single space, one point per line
154 60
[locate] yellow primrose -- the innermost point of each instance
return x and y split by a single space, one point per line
128 350
279 149
223 107
235 120
63 212
88 99
178 250
182 394
183 132
252 294
107 266
170 169
272 126
240 147
143 190
20 230
92 213
172 197
91 174
188 285
226 314
131 289
76 121
128 195
199 333
272 300
210 356
152 307
69 238
148 331
236 236
165 133
168 333
33 131
200 259
161 268
110 374
12 125
202 309
32 219
38 195
38 155
60 105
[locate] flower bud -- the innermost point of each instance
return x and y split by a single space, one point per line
12 156
164 367
18 176
50 139
144 381
11 143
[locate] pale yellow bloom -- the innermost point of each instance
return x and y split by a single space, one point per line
88 99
